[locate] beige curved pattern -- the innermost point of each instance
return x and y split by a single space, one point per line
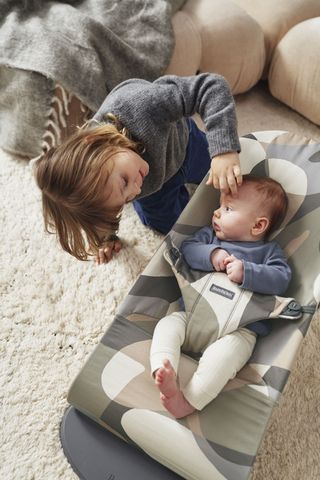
161 439
252 152
267 136
118 373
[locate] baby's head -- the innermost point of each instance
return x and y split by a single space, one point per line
257 210
74 178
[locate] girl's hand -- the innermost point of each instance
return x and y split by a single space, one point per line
110 246
234 269
225 173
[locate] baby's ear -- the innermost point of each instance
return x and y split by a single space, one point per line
261 226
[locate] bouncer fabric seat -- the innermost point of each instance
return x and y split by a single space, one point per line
115 387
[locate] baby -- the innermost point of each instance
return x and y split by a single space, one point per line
235 245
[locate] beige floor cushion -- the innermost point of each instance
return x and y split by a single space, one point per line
277 17
218 36
294 76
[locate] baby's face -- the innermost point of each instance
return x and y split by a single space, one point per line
237 215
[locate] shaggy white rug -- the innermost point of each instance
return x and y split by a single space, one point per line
55 309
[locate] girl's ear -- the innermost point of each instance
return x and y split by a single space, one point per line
260 227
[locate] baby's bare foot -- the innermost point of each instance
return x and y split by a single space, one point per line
177 405
171 396
166 379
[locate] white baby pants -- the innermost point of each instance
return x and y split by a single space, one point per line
220 362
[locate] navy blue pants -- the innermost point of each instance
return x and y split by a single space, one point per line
160 210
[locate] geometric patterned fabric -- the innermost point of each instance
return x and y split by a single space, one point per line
115 387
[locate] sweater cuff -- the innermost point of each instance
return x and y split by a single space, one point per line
222 142
247 282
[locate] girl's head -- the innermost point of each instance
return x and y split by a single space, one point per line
81 186
257 210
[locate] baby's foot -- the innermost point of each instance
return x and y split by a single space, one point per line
166 379
177 404
171 396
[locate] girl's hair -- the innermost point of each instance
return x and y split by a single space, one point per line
71 177
272 195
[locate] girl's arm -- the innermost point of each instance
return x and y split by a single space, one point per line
171 98
210 96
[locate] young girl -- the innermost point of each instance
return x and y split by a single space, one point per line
141 145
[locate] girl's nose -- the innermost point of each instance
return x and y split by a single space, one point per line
137 189
216 213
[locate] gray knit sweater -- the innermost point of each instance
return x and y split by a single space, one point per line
155 115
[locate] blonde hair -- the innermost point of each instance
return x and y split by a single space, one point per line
272 195
70 177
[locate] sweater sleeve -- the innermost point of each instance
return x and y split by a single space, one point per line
270 278
208 95
171 98
197 249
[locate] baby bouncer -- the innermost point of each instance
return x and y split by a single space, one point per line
116 427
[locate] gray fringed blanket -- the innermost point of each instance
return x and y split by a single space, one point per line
87 46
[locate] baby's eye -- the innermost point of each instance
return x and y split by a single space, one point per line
228 209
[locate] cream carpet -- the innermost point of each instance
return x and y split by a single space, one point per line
55 309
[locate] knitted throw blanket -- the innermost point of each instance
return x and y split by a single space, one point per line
87 46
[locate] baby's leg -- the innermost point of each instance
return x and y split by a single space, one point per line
171 396
167 339
219 363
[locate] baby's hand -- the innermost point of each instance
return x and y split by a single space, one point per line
234 269
225 173
218 257
109 247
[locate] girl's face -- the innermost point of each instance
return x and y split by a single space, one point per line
237 216
126 178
